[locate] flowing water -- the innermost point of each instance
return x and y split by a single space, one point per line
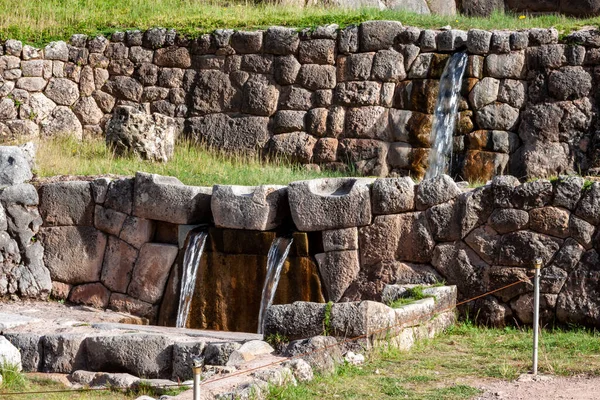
277 255
191 262
444 118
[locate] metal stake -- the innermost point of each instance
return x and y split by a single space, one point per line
536 312
197 369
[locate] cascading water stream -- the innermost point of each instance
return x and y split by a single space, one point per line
277 255
191 261
444 118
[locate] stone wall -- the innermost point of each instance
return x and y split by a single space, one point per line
361 95
362 234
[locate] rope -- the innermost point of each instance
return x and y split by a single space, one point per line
286 359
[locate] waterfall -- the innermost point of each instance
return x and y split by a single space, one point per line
277 255
191 262
444 118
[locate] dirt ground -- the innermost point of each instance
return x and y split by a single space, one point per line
543 388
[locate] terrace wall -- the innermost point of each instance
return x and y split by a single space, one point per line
361 96
119 244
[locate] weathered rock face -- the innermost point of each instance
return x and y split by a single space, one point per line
151 137
22 269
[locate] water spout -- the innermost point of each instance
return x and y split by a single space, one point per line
277 255
191 261
444 118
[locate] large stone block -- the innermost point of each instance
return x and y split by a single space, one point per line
439 189
378 35
354 67
331 203
151 271
123 303
260 208
149 356
297 320
511 65
259 98
460 266
151 137
14 167
31 348
569 83
338 270
393 195
281 41
73 254
405 237
315 76
520 249
109 220
173 57
119 260
294 146
317 51
368 123
137 231
497 116
63 352
66 203
166 199
230 133
357 93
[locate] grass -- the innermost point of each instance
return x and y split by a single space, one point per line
451 366
38 22
192 164
15 382
411 295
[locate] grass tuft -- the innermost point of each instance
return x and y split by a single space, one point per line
12 379
410 296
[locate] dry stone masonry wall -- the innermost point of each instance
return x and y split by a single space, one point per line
361 96
115 244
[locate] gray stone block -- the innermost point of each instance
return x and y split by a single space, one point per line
30 346
63 352
297 320
167 199
259 208
331 203
66 203
338 270
14 168
149 356
378 35
151 271
73 254
393 195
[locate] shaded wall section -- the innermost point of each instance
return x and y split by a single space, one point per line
231 277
